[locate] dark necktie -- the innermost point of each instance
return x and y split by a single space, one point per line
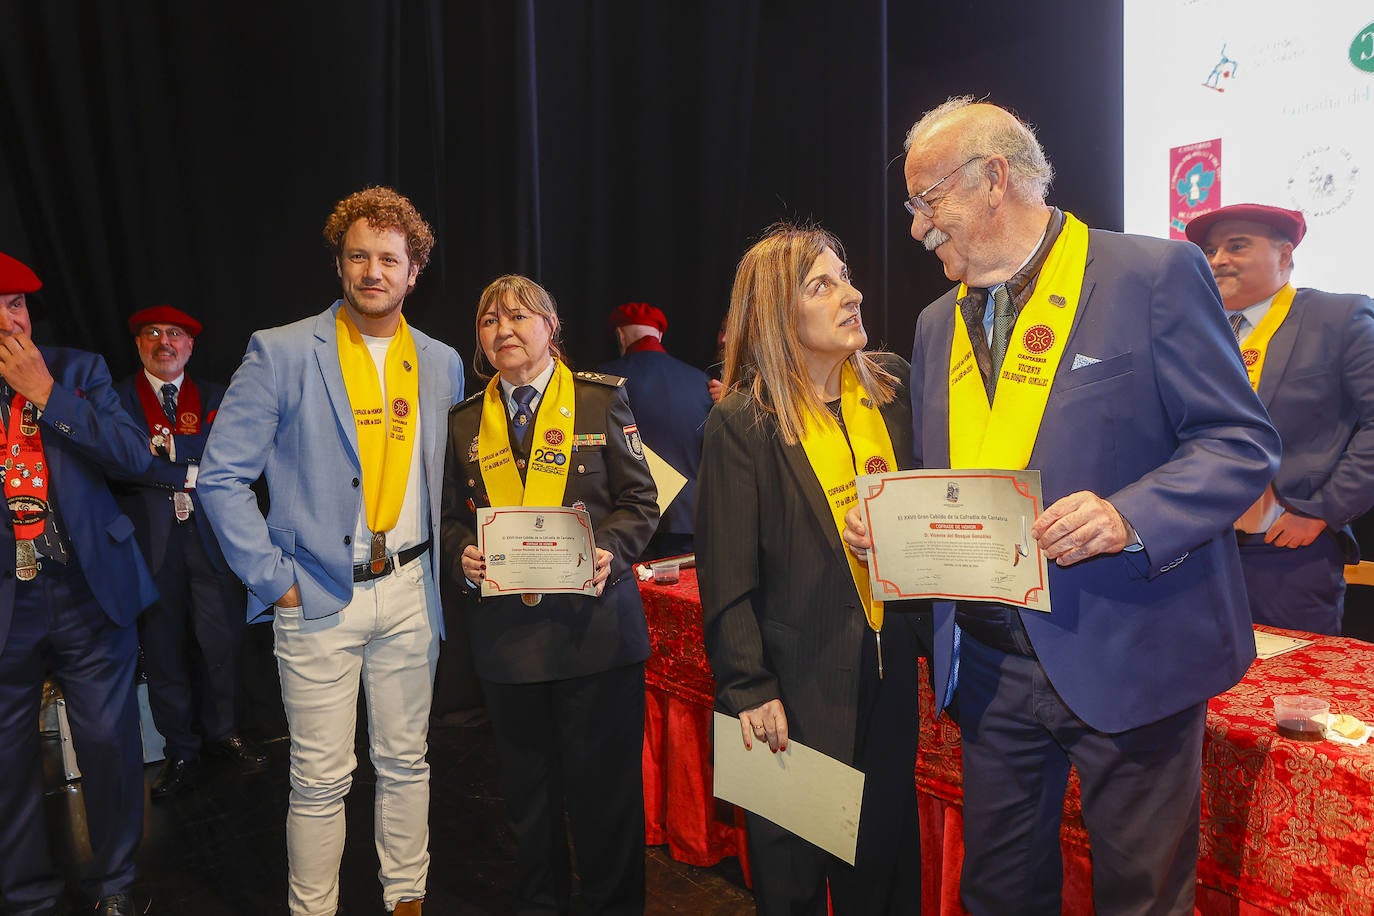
523 414
169 402
1236 318
1003 320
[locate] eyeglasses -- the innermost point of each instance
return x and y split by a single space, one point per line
153 334
916 203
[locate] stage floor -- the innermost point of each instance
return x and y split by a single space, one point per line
220 847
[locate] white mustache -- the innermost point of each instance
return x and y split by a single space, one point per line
934 239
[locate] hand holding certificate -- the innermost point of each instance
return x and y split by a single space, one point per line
962 534
533 550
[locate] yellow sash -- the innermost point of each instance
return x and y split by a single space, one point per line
1033 356
386 431
836 462
1256 343
550 445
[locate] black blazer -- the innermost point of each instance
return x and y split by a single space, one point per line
781 616
563 636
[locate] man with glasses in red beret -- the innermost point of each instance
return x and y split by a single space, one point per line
200 597
68 603
1310 357
670 400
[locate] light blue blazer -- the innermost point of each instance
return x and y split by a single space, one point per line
287 417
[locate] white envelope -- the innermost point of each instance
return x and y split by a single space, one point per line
800 789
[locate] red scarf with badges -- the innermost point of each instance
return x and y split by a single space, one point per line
26 470
188 407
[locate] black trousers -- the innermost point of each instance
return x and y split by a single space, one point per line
791 875
196 601
576 743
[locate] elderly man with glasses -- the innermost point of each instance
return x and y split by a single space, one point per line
1104 361
200 598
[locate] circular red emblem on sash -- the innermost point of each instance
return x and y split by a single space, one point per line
1250 355
400 408
1038 338
553 437
876 465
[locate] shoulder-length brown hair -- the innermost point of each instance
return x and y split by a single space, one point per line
533 297
764 356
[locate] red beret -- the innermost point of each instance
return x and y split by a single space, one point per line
17 277
638 313
164 314
1290 224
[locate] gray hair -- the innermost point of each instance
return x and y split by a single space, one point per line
1010 138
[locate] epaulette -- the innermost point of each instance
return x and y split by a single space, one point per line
601 378
468 400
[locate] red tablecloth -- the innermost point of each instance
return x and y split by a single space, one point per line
1287 827
679 809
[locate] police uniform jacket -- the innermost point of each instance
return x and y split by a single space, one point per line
563 636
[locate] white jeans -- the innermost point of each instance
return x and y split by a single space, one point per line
389 634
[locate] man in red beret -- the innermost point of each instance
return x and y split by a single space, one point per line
198 594
67 606
670 401
1310 357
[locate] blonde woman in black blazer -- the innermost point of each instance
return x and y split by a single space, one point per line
792 648
564 678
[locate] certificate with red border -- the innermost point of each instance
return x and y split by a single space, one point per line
962 534
534 550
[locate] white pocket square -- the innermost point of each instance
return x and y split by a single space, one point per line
1079 361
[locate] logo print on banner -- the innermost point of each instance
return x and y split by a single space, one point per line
553 437
1038 338
876 465
1250 355
1224 69
400 408
1362 49
1194 183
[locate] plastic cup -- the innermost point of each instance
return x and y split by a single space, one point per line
665 571
1301 718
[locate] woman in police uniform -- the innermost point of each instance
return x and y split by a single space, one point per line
563 675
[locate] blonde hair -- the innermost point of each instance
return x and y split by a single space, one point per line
764 356
530 296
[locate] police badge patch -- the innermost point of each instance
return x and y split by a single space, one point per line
632 440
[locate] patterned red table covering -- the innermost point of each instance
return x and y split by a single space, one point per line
1287 826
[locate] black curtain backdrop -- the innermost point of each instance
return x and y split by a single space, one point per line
188 153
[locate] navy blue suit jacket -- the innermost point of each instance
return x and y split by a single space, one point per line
147 499
1318 386
1165 426
670 404
86 436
